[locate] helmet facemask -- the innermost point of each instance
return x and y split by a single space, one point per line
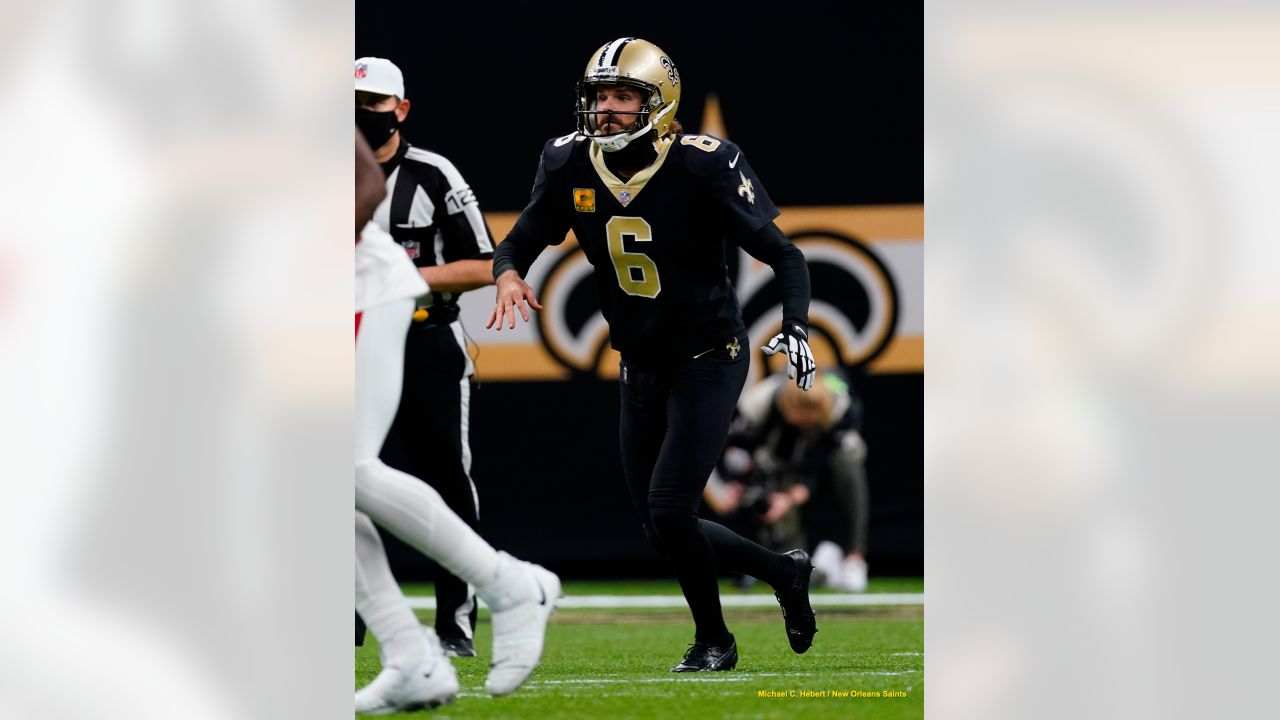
651 109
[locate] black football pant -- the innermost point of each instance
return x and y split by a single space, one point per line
839 508
430 440
673 427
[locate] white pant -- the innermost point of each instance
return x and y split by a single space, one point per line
398 502
379 373
401 503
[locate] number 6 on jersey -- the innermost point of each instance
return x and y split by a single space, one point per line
637 273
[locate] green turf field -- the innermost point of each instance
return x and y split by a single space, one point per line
613 664
668 587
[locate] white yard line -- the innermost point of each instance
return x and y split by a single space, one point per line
690 678
631 602
699 677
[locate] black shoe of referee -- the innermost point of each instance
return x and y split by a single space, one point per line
796 612
458 647
703 657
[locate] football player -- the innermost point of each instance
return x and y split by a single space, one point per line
655 211
415 672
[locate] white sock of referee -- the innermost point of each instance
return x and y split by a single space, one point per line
381 604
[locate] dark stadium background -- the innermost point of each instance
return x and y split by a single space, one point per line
826 98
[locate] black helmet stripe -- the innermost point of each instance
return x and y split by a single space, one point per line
613 51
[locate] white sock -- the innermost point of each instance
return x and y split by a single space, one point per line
414 512
380 602
510 583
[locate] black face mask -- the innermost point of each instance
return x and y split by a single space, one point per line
377 127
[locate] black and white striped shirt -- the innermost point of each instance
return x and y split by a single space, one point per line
432 212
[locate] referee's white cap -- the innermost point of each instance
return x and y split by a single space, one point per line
379 75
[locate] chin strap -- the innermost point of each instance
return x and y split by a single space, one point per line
614 143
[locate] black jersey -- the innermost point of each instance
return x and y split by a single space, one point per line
657 241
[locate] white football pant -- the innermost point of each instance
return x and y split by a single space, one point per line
400 503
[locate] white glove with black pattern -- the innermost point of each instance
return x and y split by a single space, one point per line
795 341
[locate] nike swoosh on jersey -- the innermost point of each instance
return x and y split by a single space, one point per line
735 160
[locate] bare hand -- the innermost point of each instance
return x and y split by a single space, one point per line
779 504
722 497
513 293
733 494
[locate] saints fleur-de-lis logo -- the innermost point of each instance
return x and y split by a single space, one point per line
733 347
745 190
672 75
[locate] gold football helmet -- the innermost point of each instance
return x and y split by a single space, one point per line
636 63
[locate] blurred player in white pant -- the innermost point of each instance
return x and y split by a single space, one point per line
521 596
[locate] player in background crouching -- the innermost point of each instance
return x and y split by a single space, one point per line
415 672
794 472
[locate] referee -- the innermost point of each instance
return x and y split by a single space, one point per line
432 213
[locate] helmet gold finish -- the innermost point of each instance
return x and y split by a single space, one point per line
636 63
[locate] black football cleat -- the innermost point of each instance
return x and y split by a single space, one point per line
796 611
458 647
702 657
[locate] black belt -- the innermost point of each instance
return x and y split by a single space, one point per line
429 317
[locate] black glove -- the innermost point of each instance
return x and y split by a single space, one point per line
795 341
